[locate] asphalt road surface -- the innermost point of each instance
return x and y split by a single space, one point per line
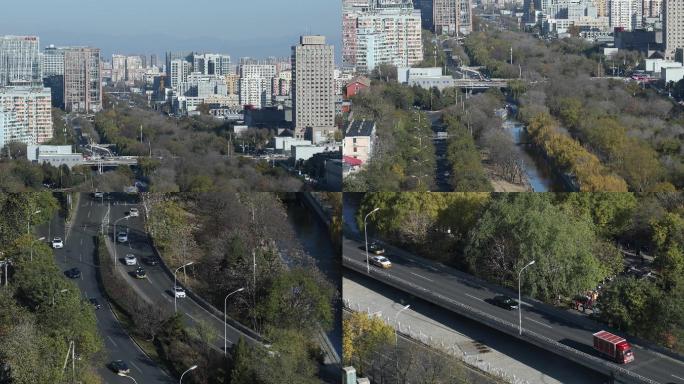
567 328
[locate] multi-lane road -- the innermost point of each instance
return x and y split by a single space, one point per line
420 275
79 251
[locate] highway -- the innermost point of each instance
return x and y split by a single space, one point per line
425 278
79 251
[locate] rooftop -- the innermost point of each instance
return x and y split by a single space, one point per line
360 128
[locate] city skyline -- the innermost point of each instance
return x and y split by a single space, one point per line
229 28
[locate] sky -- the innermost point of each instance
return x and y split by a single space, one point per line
254 28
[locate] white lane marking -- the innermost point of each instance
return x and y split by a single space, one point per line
190 316
473 297
677 377
539 322
112 340
89 213
136 367
81 241
422 277
410 259
430 267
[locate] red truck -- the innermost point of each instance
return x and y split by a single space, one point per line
613 346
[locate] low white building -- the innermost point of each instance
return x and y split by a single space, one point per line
426 78
55 155
285 144
305 152
655 65
359 139
673 74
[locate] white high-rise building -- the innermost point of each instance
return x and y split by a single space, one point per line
82 80
25 115
386 35
452 17
212 64
313 65
255 91
625 14
53 61
20 61
180 69
118 68
673 26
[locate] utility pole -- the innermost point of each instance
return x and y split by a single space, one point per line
511 55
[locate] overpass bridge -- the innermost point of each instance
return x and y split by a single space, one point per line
480 83
565 334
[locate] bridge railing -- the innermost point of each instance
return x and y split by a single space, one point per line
512 329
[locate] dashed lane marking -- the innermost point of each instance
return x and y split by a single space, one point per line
677 377
422 277
112 340
539 322
473 297
136 367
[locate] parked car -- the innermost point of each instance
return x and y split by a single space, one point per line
505 302
380 261
179 292
73 273
95 303
130 259
140 273
133 212
118 366
151 261
122 237
57 243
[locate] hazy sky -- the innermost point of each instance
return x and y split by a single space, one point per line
256 28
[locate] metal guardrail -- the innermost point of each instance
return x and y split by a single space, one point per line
583 358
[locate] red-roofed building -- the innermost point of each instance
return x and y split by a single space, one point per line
356 85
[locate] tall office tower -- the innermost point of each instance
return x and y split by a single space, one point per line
82 80
673 26
25 115
153 60
313 66
179 70
212 64
53 61
118 68
170 56
625 14
20 61
426 13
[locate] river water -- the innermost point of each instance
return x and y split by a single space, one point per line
538 172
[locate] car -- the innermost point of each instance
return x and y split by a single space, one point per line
73 273
57 243
130 259
95 303
122 237
381 261
98 195
133 212
119 367
505 302
140 273
151 261
179 292
376 248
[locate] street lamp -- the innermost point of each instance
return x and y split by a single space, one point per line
189 369
519 298
365 233
225 320
396 337
114 235
125 375
56 293
28 230
175 306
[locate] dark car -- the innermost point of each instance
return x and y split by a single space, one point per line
151 261
118 366
95 303
505 302
73 273
374 247
140 273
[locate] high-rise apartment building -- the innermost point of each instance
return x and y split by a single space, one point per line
212 64
153 60
135 69
452 17
118 68
255 91
673 26
25 115
625 14
82 80
652 8
313 66
20 61
179 70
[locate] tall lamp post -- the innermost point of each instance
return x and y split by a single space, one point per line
396 337
520 299
28 230
365 233
225 320
114 235
175 284
189 369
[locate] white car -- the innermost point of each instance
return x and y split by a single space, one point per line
381 261
130 259
122 237
57 243
133 212
179 292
